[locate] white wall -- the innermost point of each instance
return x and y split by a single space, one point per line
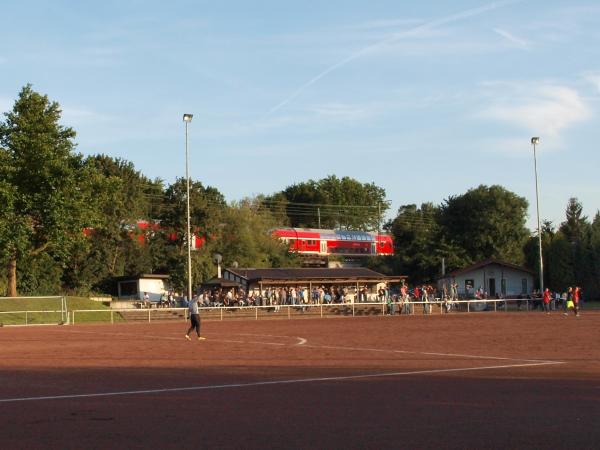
482 275
155 288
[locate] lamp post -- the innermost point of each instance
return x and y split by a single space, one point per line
187 118
535 141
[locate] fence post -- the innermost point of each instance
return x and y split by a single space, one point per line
352 309
468 305
495 305
321 310
289 312
505 305
221 309
73 321
112 319
26 318
149 311
256 309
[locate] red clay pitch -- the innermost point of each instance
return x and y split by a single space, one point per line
483 380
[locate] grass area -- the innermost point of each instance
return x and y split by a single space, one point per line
48 306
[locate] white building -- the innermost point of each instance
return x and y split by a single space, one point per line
155 285
493 276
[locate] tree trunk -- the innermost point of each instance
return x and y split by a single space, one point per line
12 277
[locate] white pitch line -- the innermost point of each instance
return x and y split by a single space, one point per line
332 347
383 350
268 383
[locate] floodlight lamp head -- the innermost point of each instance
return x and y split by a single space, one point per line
187 117
535 140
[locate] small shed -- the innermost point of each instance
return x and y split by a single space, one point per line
134 287
493 276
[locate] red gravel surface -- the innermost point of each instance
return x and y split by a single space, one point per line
486 380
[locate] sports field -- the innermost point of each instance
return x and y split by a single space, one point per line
500 380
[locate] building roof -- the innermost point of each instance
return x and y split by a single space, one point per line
484 263
146 276
292 275
220 282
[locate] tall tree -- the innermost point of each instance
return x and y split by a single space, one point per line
487 222
116 246
576 229
420 245
576 224
45 185
207 206
246 239
332 202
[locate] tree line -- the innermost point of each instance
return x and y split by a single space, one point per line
488 222
50 195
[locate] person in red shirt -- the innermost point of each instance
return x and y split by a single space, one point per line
547 300
576 294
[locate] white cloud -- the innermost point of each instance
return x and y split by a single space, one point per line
514 40
544 109
593 78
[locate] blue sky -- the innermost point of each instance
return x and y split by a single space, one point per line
425 99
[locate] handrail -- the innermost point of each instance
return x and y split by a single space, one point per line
304 306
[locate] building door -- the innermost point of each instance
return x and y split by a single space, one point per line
492 283
323 247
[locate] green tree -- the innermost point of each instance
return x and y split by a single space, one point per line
487 222
45 186
576 229
247 240
531 251
207 207
592 288
332 203
420 244
116 246
576 224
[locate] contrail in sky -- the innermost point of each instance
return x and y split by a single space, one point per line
393 38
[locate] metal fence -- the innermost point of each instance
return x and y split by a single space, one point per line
44 310
220 313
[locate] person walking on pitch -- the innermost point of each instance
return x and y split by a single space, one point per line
194 319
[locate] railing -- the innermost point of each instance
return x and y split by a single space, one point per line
32 317
306 310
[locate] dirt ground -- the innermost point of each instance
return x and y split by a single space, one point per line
484 380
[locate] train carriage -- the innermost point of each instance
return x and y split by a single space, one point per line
319 242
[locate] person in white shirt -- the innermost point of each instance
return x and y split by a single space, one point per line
194 319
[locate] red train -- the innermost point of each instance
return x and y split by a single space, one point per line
143 229
317 242
304 241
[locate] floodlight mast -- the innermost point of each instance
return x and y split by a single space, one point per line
187 118
535 141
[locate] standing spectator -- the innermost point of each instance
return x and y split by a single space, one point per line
569 303
425 300
547 300
576 296
146 300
